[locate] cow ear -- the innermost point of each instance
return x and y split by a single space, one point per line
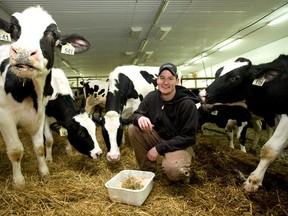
125 121
268 75
78 42
57 127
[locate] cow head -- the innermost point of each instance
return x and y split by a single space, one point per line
81 134
112 131
35 35
230 85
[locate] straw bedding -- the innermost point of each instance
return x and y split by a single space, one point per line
76 185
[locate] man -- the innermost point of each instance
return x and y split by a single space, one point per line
165 124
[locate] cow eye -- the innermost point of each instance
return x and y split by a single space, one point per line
235 78
81 134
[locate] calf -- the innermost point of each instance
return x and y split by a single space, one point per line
228 117
25 81
263 88
61 112
128 85
95 93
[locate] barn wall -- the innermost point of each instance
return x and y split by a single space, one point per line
260 55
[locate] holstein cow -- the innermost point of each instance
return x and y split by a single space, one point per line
230 118
95 92
263 88
61 112
128 85
25 81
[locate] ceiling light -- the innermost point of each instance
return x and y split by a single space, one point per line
74 71
161 9
196 59
129 54
143 45
162 33
65 63
135 61
135 32
147 54
229 45
278 20
200 60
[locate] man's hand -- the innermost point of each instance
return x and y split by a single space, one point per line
153 154
144 123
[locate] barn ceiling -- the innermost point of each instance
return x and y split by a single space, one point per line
195 28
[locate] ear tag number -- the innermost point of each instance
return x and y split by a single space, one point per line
68 49
63 132
214 112
259 82
4 36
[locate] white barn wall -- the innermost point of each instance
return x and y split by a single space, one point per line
260 55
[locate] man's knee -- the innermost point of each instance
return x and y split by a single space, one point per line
176 169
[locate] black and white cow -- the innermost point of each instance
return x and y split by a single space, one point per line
231 118
61 112
25 81
264 89
128 85
95 92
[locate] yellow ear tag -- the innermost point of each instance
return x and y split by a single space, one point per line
68 49
259 82
4 36
63 132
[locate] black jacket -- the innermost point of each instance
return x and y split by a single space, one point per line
175 120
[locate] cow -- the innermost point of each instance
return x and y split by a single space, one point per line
263 89
61 112
127 86
234 118
25 81
230 118
95 92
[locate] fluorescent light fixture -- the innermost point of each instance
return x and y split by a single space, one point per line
129 54
65 63
147 54
278 20
162 33
143 45
74 71
225 42
200 60
161 9
196 59
229 45
135 33
135 61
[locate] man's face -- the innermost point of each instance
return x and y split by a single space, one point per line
166 82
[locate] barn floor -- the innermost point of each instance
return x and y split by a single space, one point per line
76 185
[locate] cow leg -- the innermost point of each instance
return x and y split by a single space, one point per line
48 141
39 149
68 148
230 126
269 152
257 125
241 135
15 151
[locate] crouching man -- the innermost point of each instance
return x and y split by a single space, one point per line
165 124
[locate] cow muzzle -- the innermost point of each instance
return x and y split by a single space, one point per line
113 158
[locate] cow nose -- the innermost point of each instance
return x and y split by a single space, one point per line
113 158
22 53
98 155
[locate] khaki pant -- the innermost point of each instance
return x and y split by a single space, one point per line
175 164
